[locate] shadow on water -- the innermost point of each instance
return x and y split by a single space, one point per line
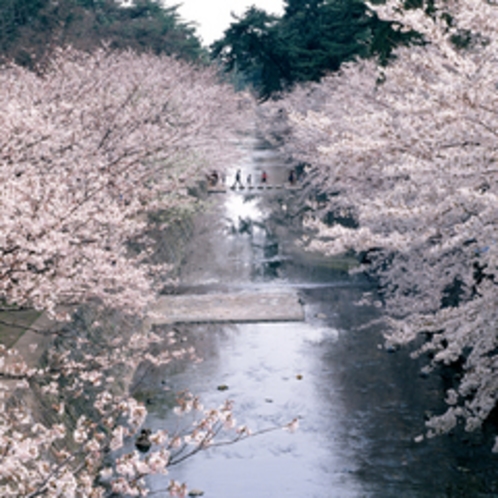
359 406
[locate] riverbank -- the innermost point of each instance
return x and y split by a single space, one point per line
25 333
28 330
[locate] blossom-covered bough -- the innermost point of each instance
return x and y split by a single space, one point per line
409 153
89 147
74 432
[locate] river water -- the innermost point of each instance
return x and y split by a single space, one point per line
359 406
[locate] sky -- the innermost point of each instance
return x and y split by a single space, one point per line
213 16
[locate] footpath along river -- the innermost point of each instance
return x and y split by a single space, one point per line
359 406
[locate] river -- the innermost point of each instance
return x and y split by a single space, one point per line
359 406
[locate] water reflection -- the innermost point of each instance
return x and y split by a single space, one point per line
359 407
272 373
240 207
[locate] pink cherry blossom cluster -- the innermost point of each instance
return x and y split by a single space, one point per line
52 459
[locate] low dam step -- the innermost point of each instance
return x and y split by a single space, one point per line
267 306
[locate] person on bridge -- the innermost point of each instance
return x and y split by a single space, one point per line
264 177
238 180
213 178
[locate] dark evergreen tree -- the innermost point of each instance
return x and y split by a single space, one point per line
30 29
321 35
312 37
253 47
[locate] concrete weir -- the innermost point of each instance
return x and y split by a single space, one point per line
268 306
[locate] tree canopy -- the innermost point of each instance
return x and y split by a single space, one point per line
30 29
409 152
88 149
311 39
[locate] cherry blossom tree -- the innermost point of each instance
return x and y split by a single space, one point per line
87 149
102 448
405 156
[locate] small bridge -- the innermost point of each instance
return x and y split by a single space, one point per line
254 306
223 189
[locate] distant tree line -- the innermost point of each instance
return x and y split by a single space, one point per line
31 29
311 39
